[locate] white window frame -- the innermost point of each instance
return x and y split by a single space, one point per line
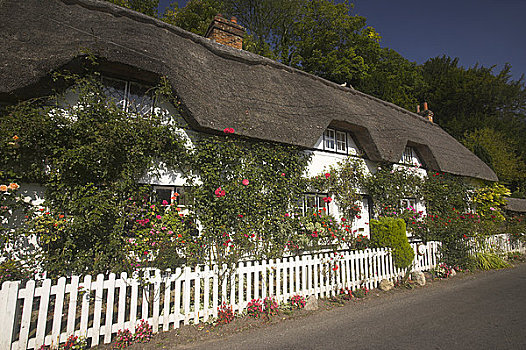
318 202
335 141
341 141
174 189
329 140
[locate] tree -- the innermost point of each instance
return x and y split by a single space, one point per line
393 78
195 17
498 151
465 100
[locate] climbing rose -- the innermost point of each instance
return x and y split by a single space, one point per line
219 192
327 199
3 188
327 175
13 186
245 182
228 130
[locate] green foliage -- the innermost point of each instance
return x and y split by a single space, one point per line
160 235
342 181
488 261
391 232
388 186
195 16
499 151
443 191
516 227
90 157
245 193
466 100
392 78
490 200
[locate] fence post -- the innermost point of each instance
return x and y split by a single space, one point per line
8 302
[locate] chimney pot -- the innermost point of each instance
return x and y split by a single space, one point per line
425 106
417 108
233 19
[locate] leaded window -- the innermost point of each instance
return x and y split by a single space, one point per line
129 96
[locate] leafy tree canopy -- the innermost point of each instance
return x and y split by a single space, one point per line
498 151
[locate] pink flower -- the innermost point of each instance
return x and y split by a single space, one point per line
165 202
282 174
239 215
159 217
327 175
245 182
219 192
327 199
228 130
287 215
492 209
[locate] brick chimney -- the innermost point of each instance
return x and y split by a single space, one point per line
226 32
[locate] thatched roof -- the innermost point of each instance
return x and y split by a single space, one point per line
516 204
218 86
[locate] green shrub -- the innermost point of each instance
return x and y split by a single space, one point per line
390 232
489 261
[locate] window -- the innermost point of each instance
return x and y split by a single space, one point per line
329 140
312 202
179 195
335 141
129 96
407 156
408 203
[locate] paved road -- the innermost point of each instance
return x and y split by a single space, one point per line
481 311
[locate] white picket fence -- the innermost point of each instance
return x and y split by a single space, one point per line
42 312
503 243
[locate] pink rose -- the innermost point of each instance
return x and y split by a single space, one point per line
219 192
245 182
327 199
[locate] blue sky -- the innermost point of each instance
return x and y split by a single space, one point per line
488 32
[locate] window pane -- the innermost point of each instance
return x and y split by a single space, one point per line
329 139
341 141
322 204
115 91
185 197
408 155
310 203
163 194
140 100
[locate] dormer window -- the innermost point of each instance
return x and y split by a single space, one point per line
335 141
129 96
